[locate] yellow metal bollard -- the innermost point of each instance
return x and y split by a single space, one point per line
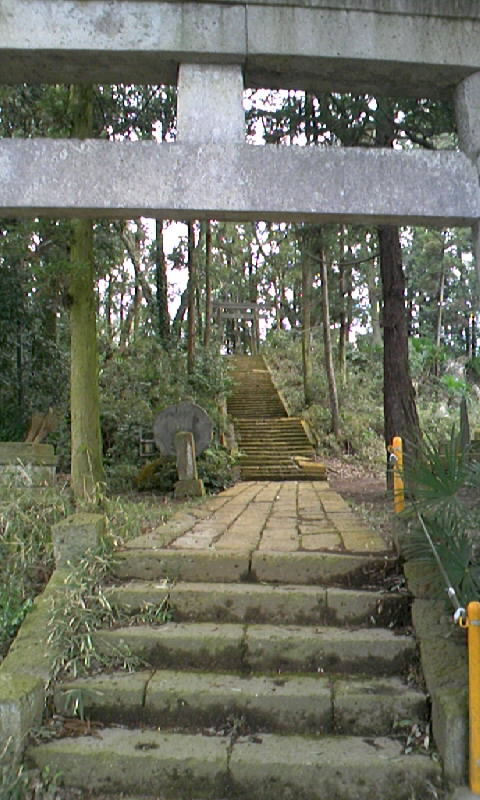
473 624
398 486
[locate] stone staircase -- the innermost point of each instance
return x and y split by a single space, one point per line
272 445
281 676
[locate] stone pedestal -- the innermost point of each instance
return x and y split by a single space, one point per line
75 536
27 464
189 488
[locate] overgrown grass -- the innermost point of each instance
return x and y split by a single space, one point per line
133 514
19 783
26 554
85 608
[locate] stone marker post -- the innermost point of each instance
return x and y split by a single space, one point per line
184 429
188 484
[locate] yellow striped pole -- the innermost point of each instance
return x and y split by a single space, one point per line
473 624
398 484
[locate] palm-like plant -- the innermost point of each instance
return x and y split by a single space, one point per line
443 482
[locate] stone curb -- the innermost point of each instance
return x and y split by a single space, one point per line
444 661
27 668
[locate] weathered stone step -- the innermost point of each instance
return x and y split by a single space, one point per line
278 474
280 604
258 399
279 567
281 460
265 434
245 427
284 453
278 423
258 410
261 648
255 393
283 422
247 459
282 704
276 429
246 383
253 438
178 766
263 442
260 442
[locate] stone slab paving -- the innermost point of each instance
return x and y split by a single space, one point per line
269 517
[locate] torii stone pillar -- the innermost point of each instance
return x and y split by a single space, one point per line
209 105
467 110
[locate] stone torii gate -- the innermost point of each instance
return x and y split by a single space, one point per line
212 50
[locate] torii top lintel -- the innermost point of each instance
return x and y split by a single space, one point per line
212 49
406 47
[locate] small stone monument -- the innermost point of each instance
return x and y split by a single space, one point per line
30 464
27 464
184 429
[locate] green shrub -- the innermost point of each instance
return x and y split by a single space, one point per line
215 468
158 475
26 553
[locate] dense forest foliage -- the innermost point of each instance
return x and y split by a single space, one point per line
347 312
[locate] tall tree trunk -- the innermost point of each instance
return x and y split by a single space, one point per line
400 411
253 299
108 310
199 316
208 285
137 296
345 277
374 304
307 332
191 299
327 345
180 314
438 327
87 464
163 316
19 366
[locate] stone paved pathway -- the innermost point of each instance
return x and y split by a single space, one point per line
274 516
283 671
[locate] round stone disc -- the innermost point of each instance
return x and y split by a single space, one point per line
185 416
